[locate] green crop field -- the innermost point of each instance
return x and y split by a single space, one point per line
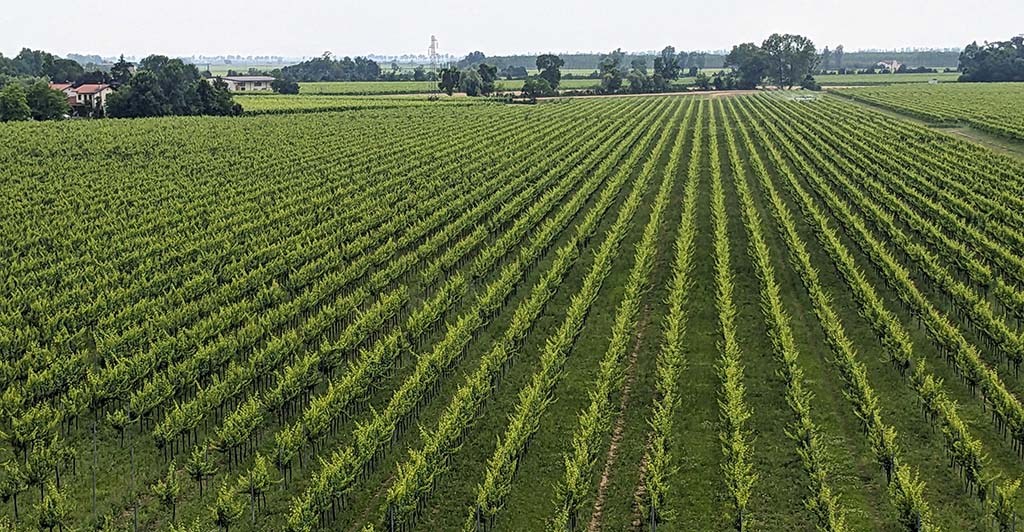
767 312
883 79
275 103
994 107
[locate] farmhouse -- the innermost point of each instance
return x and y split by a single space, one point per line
92 95
247 83
85 97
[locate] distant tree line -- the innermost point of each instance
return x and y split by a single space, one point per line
994 61
328 68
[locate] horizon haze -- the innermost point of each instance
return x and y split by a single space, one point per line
262 28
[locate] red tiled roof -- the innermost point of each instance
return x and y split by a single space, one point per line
59 86
91 88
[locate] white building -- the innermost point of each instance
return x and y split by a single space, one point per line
247 83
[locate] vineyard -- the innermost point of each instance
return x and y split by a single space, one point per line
993 107
754 312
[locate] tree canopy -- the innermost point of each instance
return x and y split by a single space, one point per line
611 71
550 66
995 61
327 68
165 86
790 58
749 62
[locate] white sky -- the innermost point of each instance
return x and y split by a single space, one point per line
496 27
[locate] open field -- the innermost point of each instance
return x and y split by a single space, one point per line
786 311
883 79
276 103
993 107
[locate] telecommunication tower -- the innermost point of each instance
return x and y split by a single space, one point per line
432 52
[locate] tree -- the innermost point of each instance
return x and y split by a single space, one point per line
666 64
470 82
165 86
14 104
517 72
612 75
749 62
121 71
826 59
227 509
166 490
535 87
420 74
46 103
996 61
488 76
284 86
702 82
473 59
549 66
790 58
837 54
449 79
638 80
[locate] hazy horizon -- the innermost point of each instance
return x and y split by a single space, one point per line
259 28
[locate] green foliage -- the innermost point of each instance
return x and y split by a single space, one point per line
536 87
994 61
14 104
471 83
611 72
450 79
53 511
327 68
284 86
165 87
550 66
790 58
167 490
121 71
228 508
749 62
45 102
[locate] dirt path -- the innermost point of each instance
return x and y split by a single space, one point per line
620 422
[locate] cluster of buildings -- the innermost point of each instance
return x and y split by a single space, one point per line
85 99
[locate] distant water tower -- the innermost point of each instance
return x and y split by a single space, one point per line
432 53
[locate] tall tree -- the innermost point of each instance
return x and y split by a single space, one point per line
790 58
837 54
470 82
488 78
46 103
750 63
667 63
14 104
449 79
121 71
826 59
550 66
610 68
